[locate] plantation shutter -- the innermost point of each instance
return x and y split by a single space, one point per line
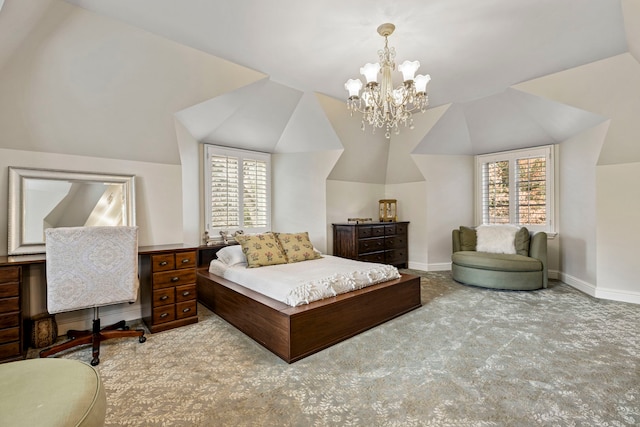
237 195
495 192
254 179
516 187
225 192
532 194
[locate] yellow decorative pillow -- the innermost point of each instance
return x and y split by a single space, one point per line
261 249
297 246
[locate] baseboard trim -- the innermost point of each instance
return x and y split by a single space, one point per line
574 282
617 295
82 320
444 266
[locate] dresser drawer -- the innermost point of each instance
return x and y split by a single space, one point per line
185 309
185 293
9 304
389 229
401 229
395 242
8 335
165 313
9 290
164 296
9 350
9 320
174 278
378 257
370 245
9 274
396 256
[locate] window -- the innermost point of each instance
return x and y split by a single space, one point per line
237 190
516 187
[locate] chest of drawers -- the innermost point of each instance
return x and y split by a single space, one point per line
11 337
168 289
383 242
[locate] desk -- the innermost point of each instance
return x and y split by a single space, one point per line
15 325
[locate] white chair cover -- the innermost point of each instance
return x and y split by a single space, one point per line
91 267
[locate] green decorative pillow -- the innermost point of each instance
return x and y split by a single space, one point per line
261 249
297 246
522 241
468 238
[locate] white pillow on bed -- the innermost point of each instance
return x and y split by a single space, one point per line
232 255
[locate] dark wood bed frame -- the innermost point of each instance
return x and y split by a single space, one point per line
293 333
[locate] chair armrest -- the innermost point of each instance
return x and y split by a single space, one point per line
455 240
538 250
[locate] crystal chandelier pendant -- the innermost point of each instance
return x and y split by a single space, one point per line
382 105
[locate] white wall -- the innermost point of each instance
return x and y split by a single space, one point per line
300 190
617 232
589 162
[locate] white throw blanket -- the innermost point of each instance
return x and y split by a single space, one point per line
303 282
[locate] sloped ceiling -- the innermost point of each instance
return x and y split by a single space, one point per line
505 121
474 51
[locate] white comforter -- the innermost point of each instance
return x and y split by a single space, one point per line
302 282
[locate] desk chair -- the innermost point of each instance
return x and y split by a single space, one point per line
90 267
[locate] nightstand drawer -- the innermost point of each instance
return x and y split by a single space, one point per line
174 278
164 296
166 313
185 309
163 262
185 293
186 259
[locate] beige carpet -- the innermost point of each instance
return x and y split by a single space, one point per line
468 357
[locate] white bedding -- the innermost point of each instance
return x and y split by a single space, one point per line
302 282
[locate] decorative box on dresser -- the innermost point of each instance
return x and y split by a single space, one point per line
168 286
11 336
382 242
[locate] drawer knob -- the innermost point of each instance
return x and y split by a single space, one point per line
164 297
186 310
163 315
175 279
186 260
163 263
185 293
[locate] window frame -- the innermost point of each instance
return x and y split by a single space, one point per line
512 157
211 149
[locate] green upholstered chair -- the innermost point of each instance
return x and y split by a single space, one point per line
51 392
524 270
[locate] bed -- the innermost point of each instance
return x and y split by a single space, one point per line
294 332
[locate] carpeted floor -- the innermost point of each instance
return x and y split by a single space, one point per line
467 357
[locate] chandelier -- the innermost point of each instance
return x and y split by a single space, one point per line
381 105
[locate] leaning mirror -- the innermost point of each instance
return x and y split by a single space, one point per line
43 198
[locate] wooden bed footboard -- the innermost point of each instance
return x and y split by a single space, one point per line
293 333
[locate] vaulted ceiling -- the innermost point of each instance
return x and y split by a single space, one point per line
474 51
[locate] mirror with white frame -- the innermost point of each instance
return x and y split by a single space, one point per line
45 198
